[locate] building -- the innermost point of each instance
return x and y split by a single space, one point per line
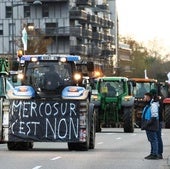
124 60
77 27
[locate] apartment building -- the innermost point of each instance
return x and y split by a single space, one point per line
77 27
125 61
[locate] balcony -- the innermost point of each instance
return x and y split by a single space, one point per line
110 37
64 31
93 19
96 52
77 50
110 24
76 31
70 31
103 6
76 14
105 37
107 52
105 23
87 33
97 36
84 2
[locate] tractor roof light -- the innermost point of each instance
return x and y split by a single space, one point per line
19 53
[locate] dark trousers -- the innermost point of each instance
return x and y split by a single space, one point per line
152 138
160 142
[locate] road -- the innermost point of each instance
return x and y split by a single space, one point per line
114 150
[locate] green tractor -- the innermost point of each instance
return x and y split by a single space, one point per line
114 103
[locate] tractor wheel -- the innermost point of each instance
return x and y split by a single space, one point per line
167 116
128 120
18 145
92 131
78 146
98 123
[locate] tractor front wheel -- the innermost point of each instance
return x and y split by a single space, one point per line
128 120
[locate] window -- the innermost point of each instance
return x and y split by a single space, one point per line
1 29
26 11
51 29
8 11
45 11
1 32
36 74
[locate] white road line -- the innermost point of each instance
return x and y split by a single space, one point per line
118 138
134 134
55 158
110 133
37 167
100 143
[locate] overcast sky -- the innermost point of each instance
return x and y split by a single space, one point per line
145 20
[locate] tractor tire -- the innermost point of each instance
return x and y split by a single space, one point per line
90 143
18 145
78 146
167 116
128 120
98 123
92 132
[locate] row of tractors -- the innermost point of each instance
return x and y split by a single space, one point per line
119 101
38 105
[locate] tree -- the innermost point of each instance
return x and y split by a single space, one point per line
138 56
149 57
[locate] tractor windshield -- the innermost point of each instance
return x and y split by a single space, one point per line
142 88
111 88
48 75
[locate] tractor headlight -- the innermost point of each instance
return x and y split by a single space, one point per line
77 76
20 76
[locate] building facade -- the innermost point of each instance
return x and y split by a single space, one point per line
124 60
77 27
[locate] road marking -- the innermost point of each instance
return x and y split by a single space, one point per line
110 133
55 158
134 134
37 167
118 138
100 143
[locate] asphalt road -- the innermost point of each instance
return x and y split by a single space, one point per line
114 150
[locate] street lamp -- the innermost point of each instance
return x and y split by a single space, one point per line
36 2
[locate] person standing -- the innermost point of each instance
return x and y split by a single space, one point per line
150 124
159 132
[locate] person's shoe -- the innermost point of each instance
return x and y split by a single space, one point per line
152 157
160 156
148 156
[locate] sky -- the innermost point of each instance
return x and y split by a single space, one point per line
145 20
